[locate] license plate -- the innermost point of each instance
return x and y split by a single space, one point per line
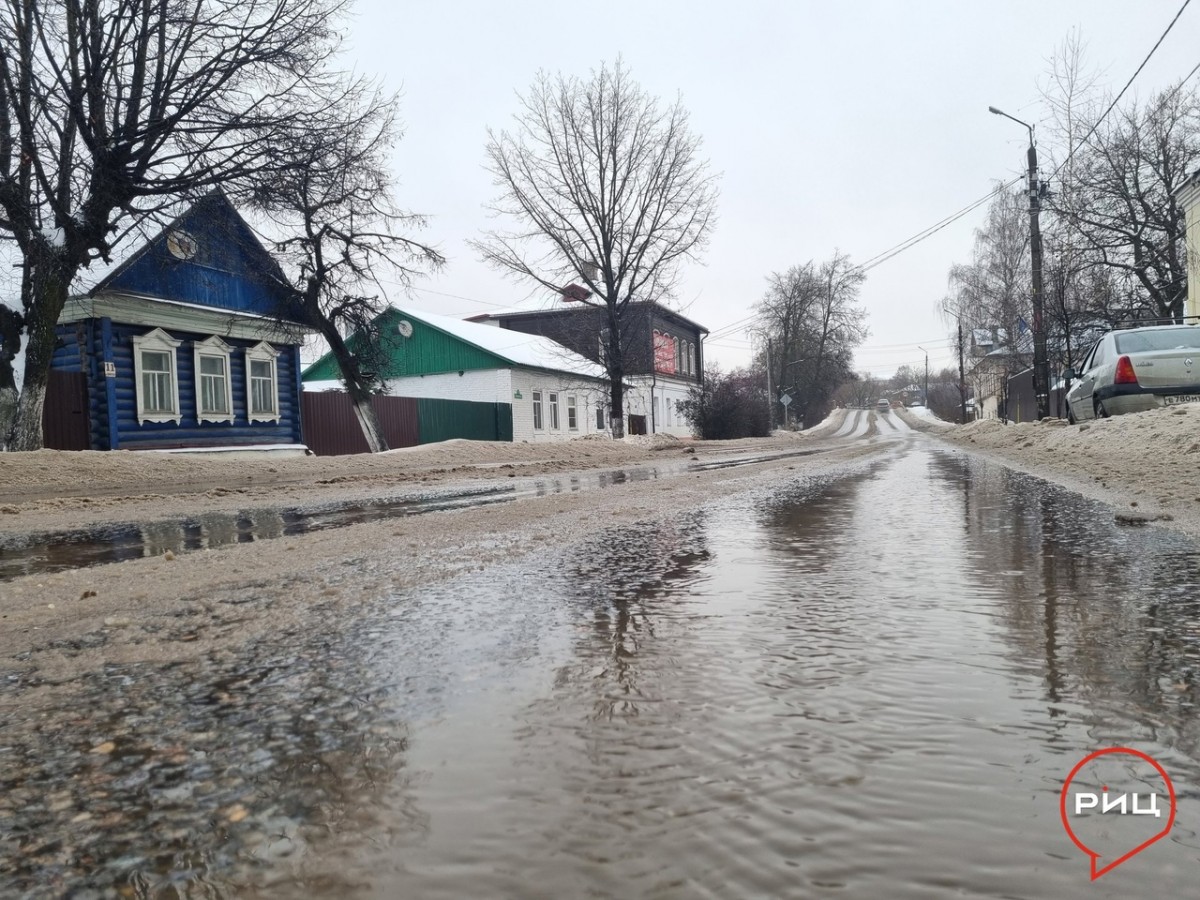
1181 398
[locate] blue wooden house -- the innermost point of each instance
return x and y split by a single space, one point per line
182 347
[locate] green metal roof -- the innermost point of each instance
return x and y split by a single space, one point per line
427 351
433 344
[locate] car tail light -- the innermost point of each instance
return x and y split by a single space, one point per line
1125 373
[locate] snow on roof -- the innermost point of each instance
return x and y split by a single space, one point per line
562 306
500 312
530 350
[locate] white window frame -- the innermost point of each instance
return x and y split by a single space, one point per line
572 413
160 342
552 397
262 352
539 417
213 348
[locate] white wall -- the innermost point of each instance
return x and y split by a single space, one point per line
502 385
668 391
588 395
482 386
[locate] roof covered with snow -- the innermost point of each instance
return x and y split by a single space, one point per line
530 350
414 342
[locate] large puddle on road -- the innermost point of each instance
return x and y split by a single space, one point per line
862 688
45 552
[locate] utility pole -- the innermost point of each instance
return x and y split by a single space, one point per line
925 399
1041 365
962 373
770 393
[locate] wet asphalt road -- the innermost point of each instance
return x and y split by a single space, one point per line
864 686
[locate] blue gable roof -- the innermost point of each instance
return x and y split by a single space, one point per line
207 256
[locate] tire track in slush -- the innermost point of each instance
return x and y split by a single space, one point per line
855 424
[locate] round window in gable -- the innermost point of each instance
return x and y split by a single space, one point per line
181 245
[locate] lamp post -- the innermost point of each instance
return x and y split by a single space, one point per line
925 398
1041 365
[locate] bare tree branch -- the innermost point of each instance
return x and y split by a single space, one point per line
607 189
113 110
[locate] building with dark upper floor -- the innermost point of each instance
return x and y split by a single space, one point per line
664 354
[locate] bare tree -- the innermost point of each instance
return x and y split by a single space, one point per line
862 390
945 399
812 316
783 314
1119 172
609 190
337 229
993 289
112 110
1121 199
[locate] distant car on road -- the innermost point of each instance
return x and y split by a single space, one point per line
884 405
1135 369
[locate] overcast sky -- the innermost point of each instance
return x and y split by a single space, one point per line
849 125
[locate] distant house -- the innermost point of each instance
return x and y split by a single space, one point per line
665 354
180 347
988 377
476 381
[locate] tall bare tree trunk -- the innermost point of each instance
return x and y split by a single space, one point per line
48 281
369 422
616 417
352 377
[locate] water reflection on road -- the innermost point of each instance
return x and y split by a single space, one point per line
866 687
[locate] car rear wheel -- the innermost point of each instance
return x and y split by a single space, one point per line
1071 420
1098 405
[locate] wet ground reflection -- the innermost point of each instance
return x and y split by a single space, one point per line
836 688
44 552
867 687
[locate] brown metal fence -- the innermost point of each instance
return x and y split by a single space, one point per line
65 413
332 429
1022 403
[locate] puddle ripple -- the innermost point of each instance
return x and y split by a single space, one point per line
868 687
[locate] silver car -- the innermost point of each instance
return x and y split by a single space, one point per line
1134 369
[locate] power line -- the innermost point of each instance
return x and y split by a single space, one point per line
1132 77
896 250
928 232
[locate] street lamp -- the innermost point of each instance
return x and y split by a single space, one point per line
1041 365
925 398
